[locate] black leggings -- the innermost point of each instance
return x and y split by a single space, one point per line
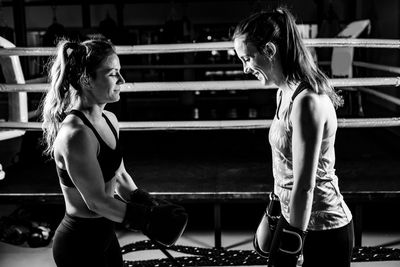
329 248
86 242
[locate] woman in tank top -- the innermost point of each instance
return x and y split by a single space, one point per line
315 222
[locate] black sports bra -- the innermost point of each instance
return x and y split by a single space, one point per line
109 159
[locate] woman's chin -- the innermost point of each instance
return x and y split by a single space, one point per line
115 98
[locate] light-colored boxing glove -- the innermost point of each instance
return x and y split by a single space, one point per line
266 229
287 245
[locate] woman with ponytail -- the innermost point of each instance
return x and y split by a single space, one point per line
82 138
302 137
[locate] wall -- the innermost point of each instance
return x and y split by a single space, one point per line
157 13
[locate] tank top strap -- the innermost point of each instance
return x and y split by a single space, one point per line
111 126
300 88
86 122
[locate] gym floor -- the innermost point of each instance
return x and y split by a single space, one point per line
15 256
236 236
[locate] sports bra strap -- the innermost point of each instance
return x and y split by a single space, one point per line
300 88
90 125
86 122
111 126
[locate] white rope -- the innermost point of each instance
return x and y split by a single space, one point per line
352 42
369 122
224 195
371 81
207 195
209 85
182 66
196 125
214 125
207 46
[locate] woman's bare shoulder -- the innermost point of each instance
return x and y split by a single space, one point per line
73 134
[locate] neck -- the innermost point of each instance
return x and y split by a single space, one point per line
93 111
288 90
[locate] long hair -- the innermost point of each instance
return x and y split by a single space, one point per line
279 27
72 63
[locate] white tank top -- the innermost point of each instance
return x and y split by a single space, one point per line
329 211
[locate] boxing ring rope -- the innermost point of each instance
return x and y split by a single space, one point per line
216 86
213 125
207 46
209 85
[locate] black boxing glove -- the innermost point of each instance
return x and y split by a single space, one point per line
40 236
141 196
136 216
287 245
266 229
167 223
164 222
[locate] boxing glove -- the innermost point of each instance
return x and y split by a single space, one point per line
287 245
142 197
163 223
266 229
40 236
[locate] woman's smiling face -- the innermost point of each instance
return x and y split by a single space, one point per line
107 80
253 61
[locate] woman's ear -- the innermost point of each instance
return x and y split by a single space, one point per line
269 50
84 81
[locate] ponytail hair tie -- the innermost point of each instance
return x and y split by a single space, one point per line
78 49
70 47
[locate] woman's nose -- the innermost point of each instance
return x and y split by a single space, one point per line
121 79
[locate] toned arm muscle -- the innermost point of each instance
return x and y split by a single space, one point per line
308 124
